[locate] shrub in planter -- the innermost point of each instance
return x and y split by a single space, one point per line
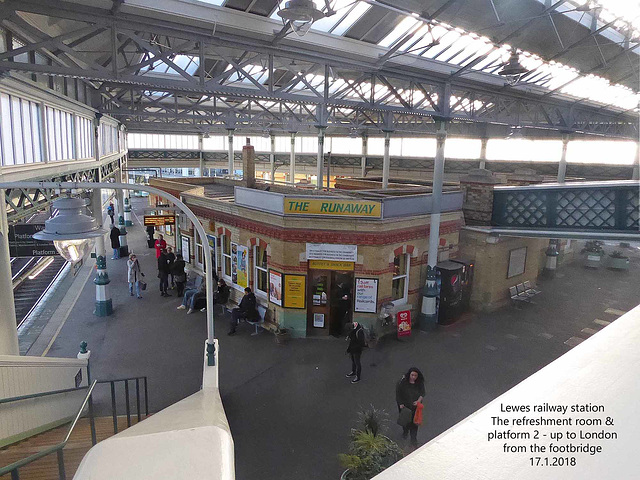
370 452
619 261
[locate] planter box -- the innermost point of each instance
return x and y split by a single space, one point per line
619 263
593 260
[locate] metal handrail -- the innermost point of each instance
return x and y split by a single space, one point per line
41 394
55 448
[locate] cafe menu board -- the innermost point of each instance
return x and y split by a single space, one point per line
294 291
366 297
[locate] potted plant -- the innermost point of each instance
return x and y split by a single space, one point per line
619 261
370 452
595 252
282 334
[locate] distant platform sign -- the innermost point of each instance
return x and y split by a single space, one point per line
159 220
22 243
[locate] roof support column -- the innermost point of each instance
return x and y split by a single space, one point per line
292 159
386 161
636 165
430 291
562 166
272 158
201 153
363 160
320 165
230 145
104 306
124 248
483 152
8 331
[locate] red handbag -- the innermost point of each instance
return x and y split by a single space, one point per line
417 417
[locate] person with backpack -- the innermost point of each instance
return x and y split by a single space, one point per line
409 395
111 211
134 275
357 342
114 235
163 273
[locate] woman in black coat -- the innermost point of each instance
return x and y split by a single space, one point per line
179 275
410 392
114 235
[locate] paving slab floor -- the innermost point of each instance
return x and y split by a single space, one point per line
290 407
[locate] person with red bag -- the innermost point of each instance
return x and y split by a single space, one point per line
409 395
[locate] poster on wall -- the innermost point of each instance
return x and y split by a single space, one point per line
212 244
294 291
517 261
366 298
318 320
186 248
404 323
275 287
234 263
242 266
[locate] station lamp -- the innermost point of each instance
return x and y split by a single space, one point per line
513 70
301 14
72 231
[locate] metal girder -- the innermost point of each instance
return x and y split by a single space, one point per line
269 86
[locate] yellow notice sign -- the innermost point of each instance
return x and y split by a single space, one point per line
331 207
294 291
331 265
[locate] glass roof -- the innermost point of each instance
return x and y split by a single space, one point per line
347 13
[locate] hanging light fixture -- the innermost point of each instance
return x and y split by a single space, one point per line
513 69
301 14
72 231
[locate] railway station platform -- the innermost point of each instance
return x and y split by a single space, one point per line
297 394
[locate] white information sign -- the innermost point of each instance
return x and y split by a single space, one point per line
332 251
366 297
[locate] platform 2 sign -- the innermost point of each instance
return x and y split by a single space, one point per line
22 243
159 220
330 207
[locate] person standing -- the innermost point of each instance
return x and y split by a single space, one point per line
172 258
178 274
247 309
114 235
111 211
163 273
150 232
134 274
160 245
357 342
409 393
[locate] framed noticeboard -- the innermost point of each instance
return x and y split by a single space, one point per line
318 320
275 287
366 295
295 289
517 261
186 248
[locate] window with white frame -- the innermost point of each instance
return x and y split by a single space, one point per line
84 133
199 253
260 274
400 283
21 140
225 241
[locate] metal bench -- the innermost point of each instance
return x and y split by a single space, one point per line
518 297
529 288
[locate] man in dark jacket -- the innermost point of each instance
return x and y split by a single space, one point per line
172 258
163 273
247 309
114 235
357 342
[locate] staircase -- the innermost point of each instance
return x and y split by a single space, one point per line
79 443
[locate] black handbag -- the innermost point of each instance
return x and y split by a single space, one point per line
405 417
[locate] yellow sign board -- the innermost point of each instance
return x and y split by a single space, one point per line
331 265
294 291
331 207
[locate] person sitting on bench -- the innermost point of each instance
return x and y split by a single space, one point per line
192 293
221 295
247 309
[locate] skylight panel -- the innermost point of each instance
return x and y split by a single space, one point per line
213 2
445 40
401 29
352 17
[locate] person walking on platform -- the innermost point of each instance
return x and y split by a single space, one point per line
111 211
196 290
163 273
409 395
134 274
114 235
357 342
178 274
172 258
247 309
150 232
160 245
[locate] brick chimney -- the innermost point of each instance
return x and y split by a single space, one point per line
248 165
477 188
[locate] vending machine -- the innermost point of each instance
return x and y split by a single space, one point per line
455 292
